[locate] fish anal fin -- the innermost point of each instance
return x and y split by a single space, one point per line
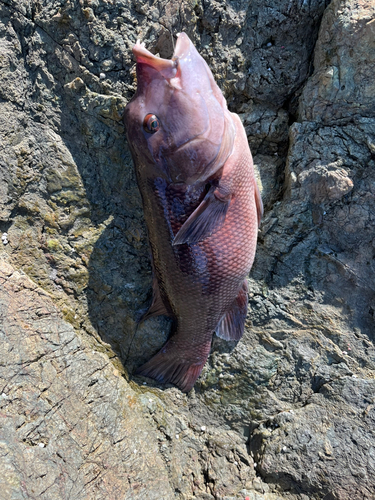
206 219
172 365
232 325
157 307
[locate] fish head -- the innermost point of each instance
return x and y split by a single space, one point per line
177 122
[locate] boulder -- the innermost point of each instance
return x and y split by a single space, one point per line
287 412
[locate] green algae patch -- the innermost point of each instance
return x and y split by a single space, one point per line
53 245
70 316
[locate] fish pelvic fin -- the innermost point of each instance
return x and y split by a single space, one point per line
232 325
157 307
170 366
206 219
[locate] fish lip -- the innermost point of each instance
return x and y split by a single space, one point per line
182 46
165 66
143 55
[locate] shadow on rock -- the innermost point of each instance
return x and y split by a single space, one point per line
119 284
119 292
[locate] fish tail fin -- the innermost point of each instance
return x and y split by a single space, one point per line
170 365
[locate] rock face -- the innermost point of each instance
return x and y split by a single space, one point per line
289 411
70 427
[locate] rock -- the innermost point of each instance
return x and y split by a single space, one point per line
342 84
286 413
67 413
305 446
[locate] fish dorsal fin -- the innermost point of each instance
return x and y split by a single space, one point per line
206 219
231 326
258 202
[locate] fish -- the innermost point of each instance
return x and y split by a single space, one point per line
201 204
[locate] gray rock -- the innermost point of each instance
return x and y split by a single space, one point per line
288 412
71 425
342 84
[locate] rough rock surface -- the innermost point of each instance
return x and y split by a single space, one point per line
289 411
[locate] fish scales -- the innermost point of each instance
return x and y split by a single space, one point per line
201 204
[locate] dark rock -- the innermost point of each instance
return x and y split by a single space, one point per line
288 412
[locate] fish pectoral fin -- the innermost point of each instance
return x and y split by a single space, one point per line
157 307
232 325
206 219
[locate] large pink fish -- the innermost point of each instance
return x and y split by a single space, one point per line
201 204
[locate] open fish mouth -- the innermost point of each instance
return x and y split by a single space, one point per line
167 67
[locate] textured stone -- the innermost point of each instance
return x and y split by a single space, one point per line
70 424
286 413
342 84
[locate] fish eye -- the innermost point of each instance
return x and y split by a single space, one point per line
151 123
